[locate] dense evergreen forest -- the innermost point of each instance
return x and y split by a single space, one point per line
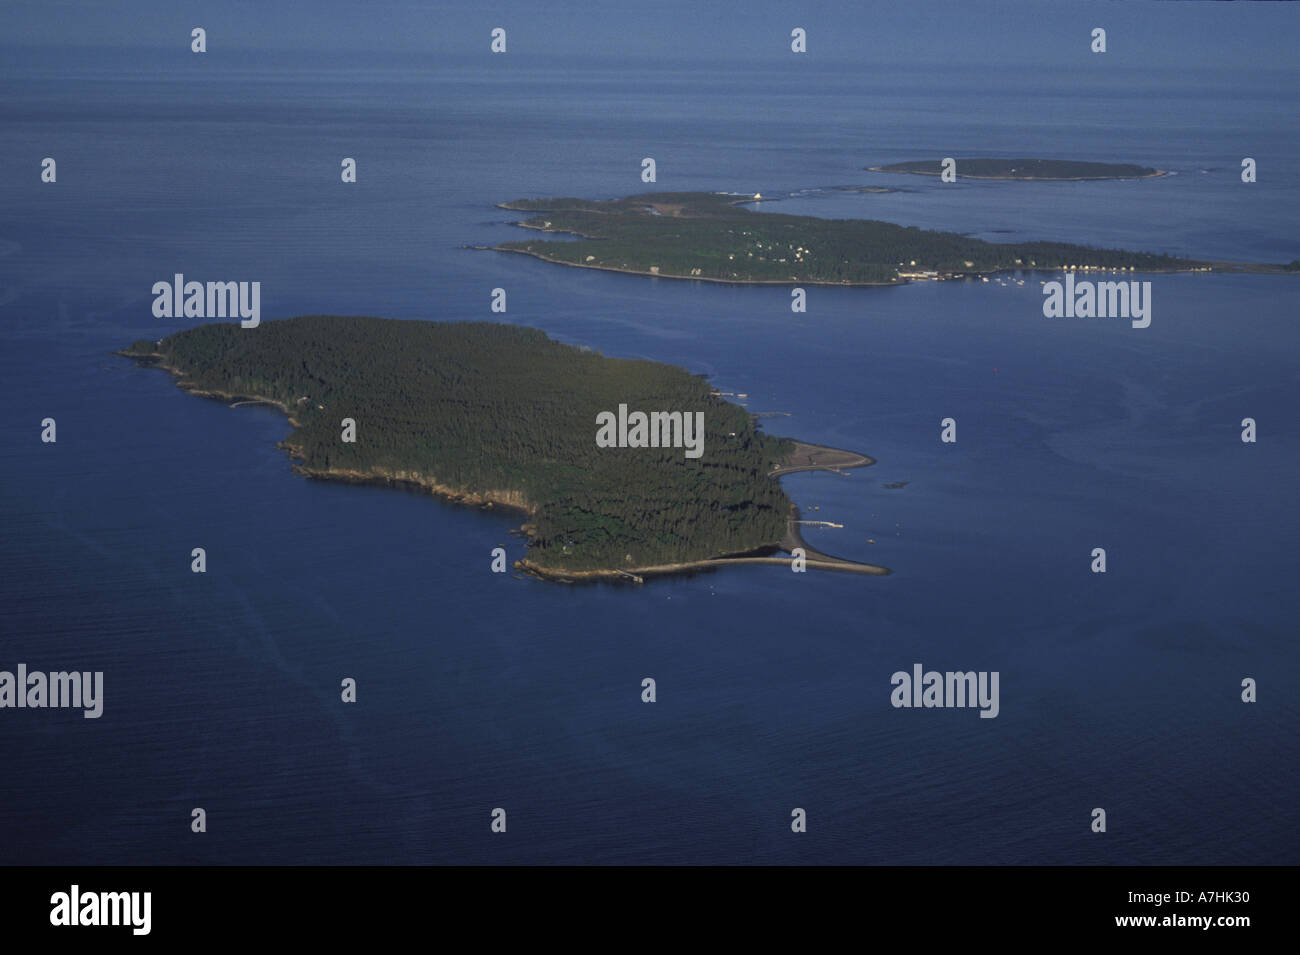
479 407
705 235
1026 169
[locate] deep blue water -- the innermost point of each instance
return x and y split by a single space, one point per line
479 690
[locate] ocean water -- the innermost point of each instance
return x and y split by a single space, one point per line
477 690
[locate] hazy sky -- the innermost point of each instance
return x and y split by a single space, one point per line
1194 35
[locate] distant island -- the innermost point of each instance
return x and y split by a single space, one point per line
494 415
712 237
1054 170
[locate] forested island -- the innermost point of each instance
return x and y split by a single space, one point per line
712 237
500 415
1037 169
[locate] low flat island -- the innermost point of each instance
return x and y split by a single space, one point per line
712 237
497 415
1041 170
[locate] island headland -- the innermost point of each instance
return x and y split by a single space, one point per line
1040 170
711 237
502 416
